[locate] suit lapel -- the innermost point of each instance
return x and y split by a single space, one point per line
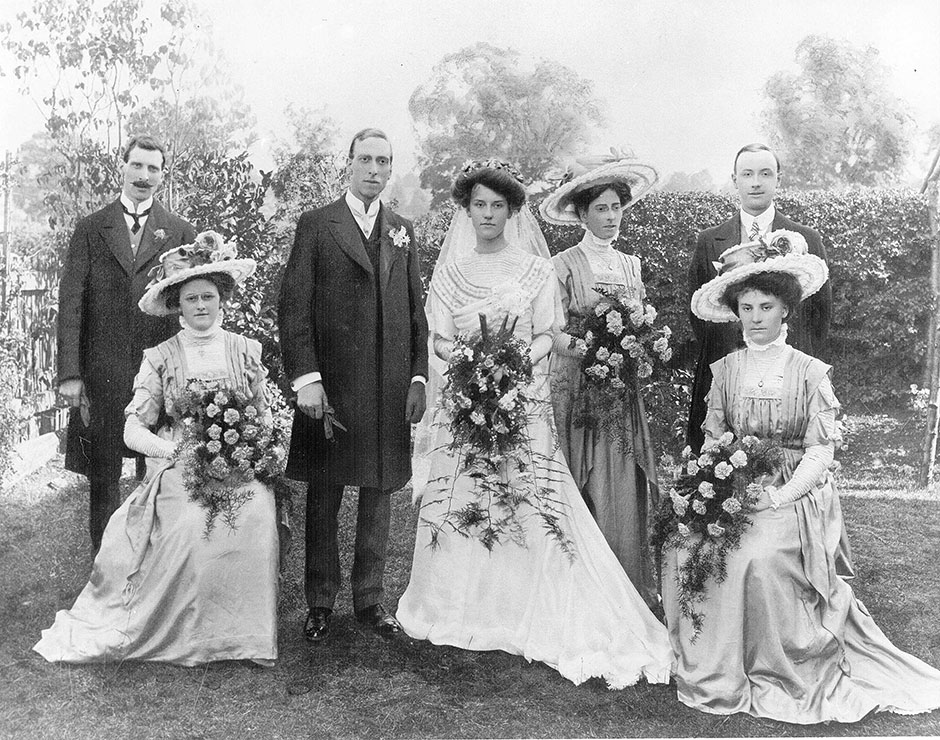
113 231
385 222
727 236
149 243
347 234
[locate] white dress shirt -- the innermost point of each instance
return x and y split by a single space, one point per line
765 222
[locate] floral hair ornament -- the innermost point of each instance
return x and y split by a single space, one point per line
617 165
491 164
208 254
779 251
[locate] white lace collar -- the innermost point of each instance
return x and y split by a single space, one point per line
201 336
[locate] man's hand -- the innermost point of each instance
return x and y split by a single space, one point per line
71 390
415 405
311 399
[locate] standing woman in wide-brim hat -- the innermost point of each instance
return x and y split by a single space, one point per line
618 481
172 583
781 635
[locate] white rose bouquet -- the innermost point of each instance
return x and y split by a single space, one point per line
227 442
708 509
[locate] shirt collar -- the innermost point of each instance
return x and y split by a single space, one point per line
764 220
134 207
359 208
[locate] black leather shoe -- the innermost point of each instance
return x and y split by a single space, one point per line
317 626
379 620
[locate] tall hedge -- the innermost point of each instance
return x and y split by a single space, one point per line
878 245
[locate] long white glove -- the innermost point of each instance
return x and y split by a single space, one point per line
141 439
816 461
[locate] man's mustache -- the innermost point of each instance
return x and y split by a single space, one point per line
141 183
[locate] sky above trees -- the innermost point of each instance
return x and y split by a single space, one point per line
682 82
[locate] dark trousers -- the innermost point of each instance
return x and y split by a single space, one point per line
322 577
105 498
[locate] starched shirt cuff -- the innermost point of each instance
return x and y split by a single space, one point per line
304 380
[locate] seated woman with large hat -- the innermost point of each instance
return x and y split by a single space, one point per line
187 570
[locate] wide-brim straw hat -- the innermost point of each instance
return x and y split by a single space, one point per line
210 253
605 169
779 251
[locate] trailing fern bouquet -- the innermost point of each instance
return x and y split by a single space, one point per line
621 349
489 399
708 509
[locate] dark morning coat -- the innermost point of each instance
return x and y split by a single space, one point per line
328 324
101 332
808 326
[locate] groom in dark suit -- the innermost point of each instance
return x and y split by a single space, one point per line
353 336
756 177
101 332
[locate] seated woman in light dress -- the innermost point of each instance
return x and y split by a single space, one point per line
618 481
783 635
161 587
575 611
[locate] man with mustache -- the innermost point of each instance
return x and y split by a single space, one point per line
756 176
101 331
354 338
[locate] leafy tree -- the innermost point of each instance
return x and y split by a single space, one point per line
482 102
836 122
682 182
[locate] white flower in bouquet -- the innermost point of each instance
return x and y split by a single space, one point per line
723 470
589 338
726 439
231 416
684 530
644 370
602 354
667 332
212 410
706 489
251 412
615 360
686 452
715 529
615 323
679 503
739 459
649 314
754 489
731 505
581 347
692 467
709 444
477 418
601 308
617 383
508 399
250 431
214 447
231 436
750 442
698 506
464 401
705 460
660 345
214 432
629 341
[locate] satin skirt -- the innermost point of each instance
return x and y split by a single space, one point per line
784 636
160 590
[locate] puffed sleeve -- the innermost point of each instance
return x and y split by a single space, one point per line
716 416
142 413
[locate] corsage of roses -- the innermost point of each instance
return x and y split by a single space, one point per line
227 443
708 510
488 399
620 349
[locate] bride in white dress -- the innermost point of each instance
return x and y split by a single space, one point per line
574 611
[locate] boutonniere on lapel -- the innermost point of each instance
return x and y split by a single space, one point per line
400 238
159 236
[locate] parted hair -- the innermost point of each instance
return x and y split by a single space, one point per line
583 198
150 143
781 285
223 282
497 180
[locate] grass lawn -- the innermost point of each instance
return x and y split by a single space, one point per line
361 686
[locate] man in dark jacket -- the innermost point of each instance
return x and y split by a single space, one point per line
101 332
756 177
353 337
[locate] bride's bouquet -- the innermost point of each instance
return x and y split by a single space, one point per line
227 443
488 400
708 510
620 349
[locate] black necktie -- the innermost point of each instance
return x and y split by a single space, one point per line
136 216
